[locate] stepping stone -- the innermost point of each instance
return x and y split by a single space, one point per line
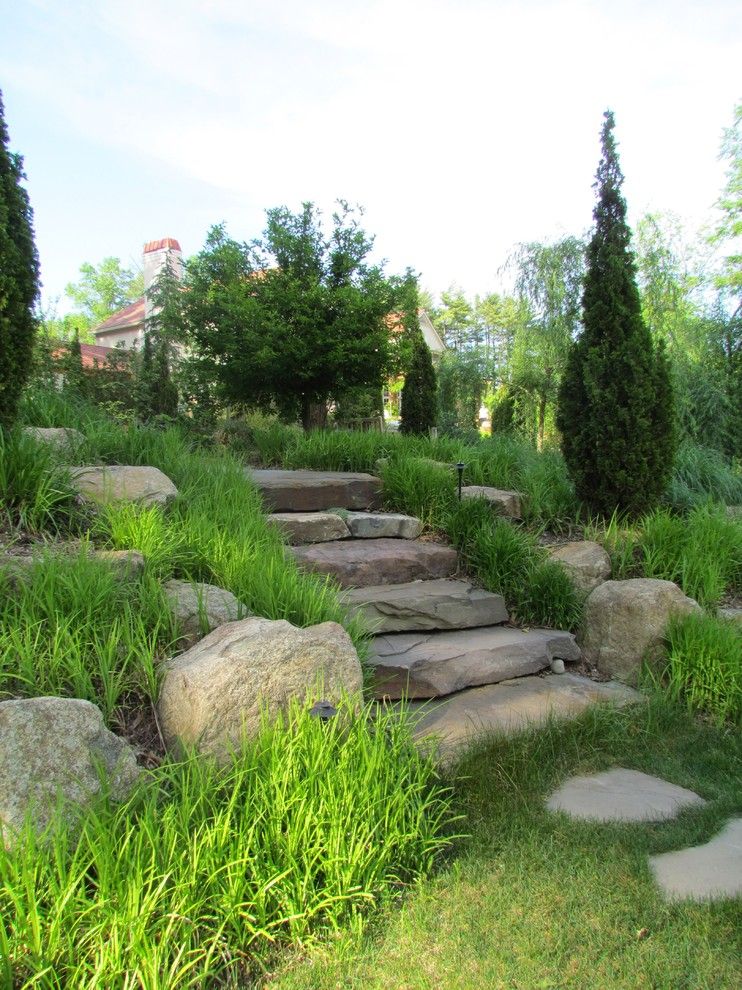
310 527
312 491
360 563
508 708
708 872
381 525
507 503
622 796
420 605
427 665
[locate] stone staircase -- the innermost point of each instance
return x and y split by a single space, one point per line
437 636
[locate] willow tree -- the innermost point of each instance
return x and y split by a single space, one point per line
615 409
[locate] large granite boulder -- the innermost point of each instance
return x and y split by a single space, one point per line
57 748
587 563
217 691
199 607
123 483
55 436
360 563
506 503
383 525
626 621
310 527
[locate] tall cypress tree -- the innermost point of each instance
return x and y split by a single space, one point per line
19 279
419 398
615 409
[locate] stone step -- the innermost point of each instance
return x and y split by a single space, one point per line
424 605
361 563
383 525
427 665
312 491
458 721
310 527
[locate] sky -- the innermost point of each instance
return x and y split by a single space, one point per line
463 127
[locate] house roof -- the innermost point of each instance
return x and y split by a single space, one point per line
92 354
130 316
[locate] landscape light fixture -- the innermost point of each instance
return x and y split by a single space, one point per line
460 468
323 710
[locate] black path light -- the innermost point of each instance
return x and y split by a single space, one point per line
323 710
460 468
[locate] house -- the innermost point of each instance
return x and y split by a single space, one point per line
125 329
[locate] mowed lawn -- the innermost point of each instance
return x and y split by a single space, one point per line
534 900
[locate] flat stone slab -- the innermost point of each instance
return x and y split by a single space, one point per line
422 605
621 795
361 563
310 527
509 707
313 491
383 525
703 873
507 503
427 665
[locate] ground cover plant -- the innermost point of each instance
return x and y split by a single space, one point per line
534 899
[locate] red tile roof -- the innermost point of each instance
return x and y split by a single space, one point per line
164 242
129 316
93 355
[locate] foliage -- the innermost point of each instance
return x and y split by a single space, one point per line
701 474
104 289
460 389
729 227
293 319
704 666
548 279
419 392
198 877
19 278
35 494
615 403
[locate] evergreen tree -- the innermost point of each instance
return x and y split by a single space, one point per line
615 402
419 392
19 279
72 367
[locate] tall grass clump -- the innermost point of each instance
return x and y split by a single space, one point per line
700 474
35 492
73 628
206 870
704 666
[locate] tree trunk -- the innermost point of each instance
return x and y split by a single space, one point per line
313 414
541 422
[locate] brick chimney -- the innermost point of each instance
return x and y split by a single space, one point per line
156 255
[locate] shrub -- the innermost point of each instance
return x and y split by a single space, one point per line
419 392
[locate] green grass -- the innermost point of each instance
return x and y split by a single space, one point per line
535 900
704 666
206 870
35 493
701 474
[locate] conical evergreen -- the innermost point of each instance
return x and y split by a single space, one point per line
419 398
615 408
19 279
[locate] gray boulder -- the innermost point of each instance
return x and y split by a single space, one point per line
626 621
58 437
217 691
125 563
123 483
310 527
57 748
199 607
587 563
731 614
507 503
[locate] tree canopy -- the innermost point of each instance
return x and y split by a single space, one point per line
295 317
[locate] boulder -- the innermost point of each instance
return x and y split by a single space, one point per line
360 563
731 614
125 563
54 748
59 437
625 622
587 563
14 567
199 608
380 525
507 503
146 485
310 527
216 692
